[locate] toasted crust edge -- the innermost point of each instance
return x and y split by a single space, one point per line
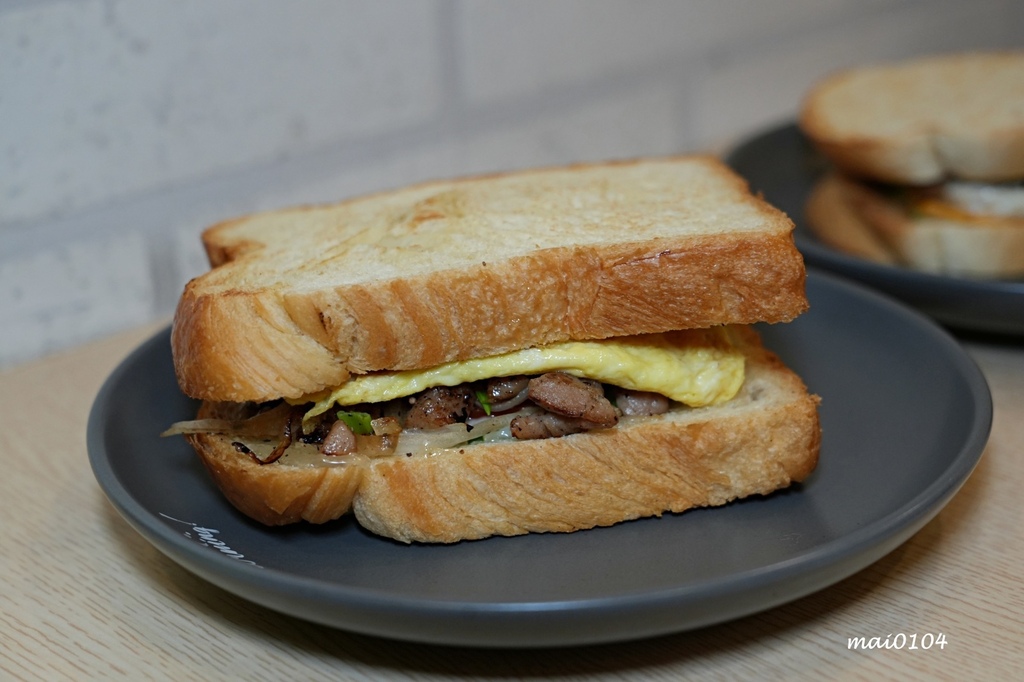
553 295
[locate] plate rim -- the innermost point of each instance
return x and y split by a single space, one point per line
882 535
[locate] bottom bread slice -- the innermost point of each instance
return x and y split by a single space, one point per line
765 438
854 218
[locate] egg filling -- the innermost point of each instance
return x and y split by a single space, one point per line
533 393
696 367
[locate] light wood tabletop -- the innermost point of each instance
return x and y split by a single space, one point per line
85 597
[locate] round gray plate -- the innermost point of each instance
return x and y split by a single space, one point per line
783 165
905 414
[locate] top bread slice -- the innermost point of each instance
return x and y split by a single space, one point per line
299 300
922 121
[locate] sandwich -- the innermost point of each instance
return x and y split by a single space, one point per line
541 351
927 163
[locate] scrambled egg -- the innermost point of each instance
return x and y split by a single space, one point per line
695 368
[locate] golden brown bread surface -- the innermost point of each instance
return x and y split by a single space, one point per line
855 218
920 121
836 223
301 299
764 439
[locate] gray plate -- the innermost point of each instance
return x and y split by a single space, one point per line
782 164
905 412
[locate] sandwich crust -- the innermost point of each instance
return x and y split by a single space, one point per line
764 439
855 218
299 300
921 121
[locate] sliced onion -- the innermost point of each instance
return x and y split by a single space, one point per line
270 424
263 425
293 423
376 446
199 426
421 441
484 425
307 455
386 426
424 441
512 403
498 435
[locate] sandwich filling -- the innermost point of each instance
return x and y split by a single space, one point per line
540 392
962 201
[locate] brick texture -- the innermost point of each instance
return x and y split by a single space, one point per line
128 127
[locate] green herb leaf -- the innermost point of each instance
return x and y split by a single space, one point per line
481 398
359 422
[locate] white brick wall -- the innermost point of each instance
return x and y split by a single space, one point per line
527 47
126 126
74 290
741 91
149 93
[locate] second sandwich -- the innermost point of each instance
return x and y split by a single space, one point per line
928 163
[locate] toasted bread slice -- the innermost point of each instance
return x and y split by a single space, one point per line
299 300
764 439
924 120
835 222
860 220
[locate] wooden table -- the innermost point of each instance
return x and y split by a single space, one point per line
85 597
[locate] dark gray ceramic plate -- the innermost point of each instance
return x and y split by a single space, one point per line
782 164
905 413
